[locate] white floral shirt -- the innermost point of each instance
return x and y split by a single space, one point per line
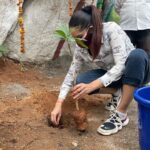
114 51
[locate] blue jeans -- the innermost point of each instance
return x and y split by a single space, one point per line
136 73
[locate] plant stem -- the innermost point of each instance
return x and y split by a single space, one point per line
74 83
69 47
77 104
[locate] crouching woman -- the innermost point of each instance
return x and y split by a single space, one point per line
118 65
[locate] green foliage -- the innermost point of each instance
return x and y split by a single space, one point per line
109 13
62 32
2 50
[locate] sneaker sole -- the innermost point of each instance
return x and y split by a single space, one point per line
107 133
100 131
126 122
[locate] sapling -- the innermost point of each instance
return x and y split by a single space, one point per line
63 33
80 115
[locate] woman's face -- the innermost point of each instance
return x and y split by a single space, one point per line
77 33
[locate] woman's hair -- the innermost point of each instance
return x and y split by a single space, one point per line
83 19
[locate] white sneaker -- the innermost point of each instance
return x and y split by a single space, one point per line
113 124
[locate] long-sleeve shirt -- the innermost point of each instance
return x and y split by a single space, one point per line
135 14
114 51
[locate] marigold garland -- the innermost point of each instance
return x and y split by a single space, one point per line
21 26
70 7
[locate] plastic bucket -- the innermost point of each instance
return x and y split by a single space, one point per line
142 96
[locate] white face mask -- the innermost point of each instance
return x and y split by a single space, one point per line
87 32
84 35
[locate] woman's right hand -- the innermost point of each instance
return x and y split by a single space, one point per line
56 113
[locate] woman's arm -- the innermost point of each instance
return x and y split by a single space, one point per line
66 86
71 75
121 46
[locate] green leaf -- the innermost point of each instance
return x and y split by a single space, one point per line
63 32
71 39
60 33
80 42
58 37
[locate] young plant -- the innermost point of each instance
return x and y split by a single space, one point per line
63 33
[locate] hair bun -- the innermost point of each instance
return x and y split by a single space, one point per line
87 9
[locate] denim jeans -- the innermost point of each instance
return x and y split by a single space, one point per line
136 73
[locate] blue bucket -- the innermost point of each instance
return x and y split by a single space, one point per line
142 96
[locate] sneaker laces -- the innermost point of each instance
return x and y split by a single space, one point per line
114 118
115 100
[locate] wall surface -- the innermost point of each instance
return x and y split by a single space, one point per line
40 20
8 18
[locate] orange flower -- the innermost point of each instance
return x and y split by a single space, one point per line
70 7
21 25
21 30
20 20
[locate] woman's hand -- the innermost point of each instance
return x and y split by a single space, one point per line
56 113
81 89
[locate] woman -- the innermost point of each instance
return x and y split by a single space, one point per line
118 66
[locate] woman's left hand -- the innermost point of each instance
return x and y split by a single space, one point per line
81 89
